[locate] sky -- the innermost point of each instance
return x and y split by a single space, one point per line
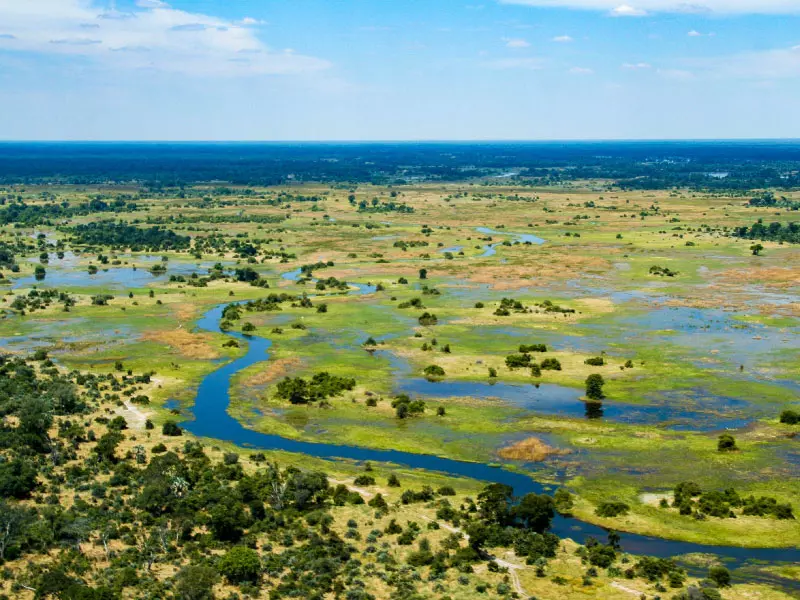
399 69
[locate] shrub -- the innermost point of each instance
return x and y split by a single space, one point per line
790 417
611 509
726 443
433 371
240 564
720 576
171 428
551 364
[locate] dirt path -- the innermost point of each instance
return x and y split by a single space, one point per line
625 588
512 567
134 416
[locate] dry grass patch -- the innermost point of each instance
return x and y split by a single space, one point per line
531 449
190 345
276 369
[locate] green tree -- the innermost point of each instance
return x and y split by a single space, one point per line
726 443
720 575
536 511
594 387
240 565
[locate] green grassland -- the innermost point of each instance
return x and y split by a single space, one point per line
601 270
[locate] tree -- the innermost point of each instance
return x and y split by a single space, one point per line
433 371
756 249
227 519
494 502
107 446
240 564
12 525
563 500
594 387
171 428
726 443
17 478
536 512
423 273
720 575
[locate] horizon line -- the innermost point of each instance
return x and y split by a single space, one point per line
398 141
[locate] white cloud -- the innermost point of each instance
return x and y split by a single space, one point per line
581 71
516 43
624 10
694 33
247 21
641 7
563 39
151 36
636 66
503 64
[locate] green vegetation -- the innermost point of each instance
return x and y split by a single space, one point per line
596 360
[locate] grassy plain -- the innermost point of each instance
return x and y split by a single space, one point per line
719 339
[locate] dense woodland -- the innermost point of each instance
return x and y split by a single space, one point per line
731 166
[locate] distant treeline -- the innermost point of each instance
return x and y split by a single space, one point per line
636 165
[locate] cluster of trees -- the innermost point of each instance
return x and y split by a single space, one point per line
122 235
40 300
405 407
319 387
774 232
7 256
768 200
33 215
525 361
509 305
690 499
376 206
662 271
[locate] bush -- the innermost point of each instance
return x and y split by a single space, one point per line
790 417
427 319
726 443
240 564
518 361
720 576
611 509
551 364
171 428
433 371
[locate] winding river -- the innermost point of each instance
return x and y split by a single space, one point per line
212 420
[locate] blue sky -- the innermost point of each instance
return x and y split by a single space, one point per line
399 69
